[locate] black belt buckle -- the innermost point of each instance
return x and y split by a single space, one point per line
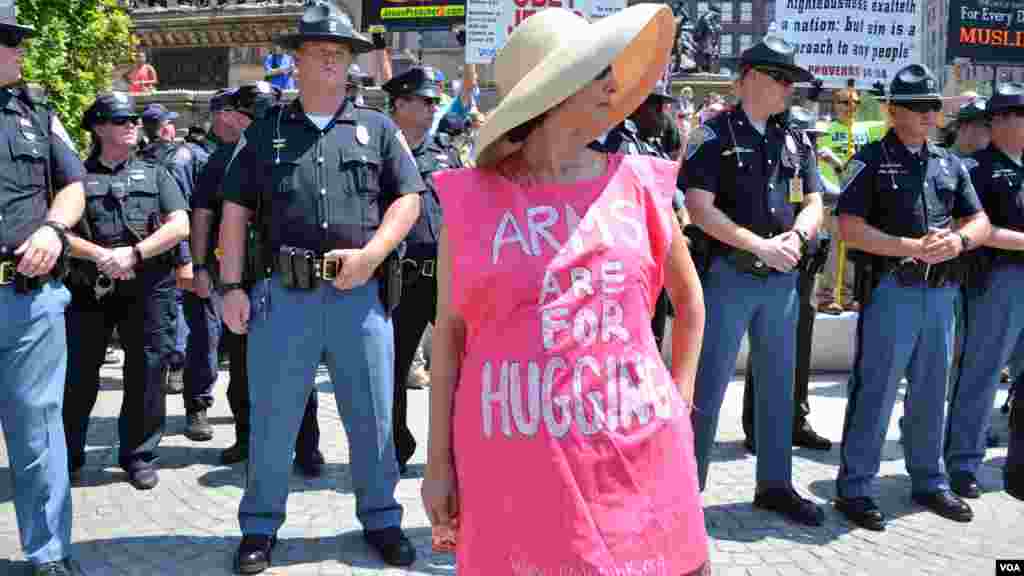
748 263
7 272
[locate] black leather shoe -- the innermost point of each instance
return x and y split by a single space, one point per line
197 427
75 476
806 437
964 485
143 478
59 568
236 453
311 466
392 545
945 504
1014 485
254 553
787 502
404 450
863 512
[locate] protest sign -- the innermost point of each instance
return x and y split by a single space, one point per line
396 15
866 40
489 22
986 31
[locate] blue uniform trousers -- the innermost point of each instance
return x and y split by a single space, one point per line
995 323
1016 362
142 309
33 354
902 330
737 302
288 332
176 359
203 316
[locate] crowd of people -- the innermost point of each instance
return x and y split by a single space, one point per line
547 244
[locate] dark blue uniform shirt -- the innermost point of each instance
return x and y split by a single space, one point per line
433 154
904 194
208 194
750 174
26 149
999 183
127 203
325 189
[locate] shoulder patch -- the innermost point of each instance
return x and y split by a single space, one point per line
853 168
698 138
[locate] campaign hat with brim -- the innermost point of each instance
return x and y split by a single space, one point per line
1007 96
324 22
775 53
416 81
913 83
555 53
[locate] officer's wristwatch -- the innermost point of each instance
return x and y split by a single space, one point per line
229 286
965 240
62 234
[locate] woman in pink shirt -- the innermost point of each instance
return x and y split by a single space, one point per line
558 438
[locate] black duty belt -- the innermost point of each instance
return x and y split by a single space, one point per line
413 269
303 269
9 276
911 272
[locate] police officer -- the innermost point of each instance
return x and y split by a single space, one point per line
122 276
40 197
910 205
414 97
642 133
185 163
335 189
972 128
801 123
749 188
995 315
233 111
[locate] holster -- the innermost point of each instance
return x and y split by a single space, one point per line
256 266
867 275
81 274
391 283
748 263
816 254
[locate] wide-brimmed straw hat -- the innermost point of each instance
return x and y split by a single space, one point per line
556 53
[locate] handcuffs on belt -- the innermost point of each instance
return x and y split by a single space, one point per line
104 285
427 269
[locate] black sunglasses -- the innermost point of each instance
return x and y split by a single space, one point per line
11 39
777 75
922 106
122 120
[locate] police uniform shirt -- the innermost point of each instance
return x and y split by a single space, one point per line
433 154
208 190
904 194
180 161
999 182
127 196
322 189
751 175
24 197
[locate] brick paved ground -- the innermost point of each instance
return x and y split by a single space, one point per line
187 525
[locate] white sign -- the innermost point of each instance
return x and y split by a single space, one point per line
867 40
489 22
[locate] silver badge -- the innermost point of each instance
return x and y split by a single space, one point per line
362 135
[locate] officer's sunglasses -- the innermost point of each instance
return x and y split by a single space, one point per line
922 107
780 76
11 39
123 120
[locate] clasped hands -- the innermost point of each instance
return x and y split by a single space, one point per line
117 263
939 245
781 252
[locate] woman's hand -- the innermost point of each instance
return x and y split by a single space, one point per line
440 498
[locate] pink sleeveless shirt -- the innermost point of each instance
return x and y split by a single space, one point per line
573 449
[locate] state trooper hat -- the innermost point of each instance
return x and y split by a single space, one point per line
12 33
108 107
774 53
418 81
914 83
325 22
973 111
1008 96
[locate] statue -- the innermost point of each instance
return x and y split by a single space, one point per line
696 47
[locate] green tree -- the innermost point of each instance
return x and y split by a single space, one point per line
73 53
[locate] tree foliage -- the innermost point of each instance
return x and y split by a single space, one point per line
73 53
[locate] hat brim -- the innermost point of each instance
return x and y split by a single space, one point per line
18 29
635 42
293 41
916 98
795 73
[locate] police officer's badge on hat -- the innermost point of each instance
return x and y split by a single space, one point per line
12 33
416 81
1007 97
324 22
108 107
